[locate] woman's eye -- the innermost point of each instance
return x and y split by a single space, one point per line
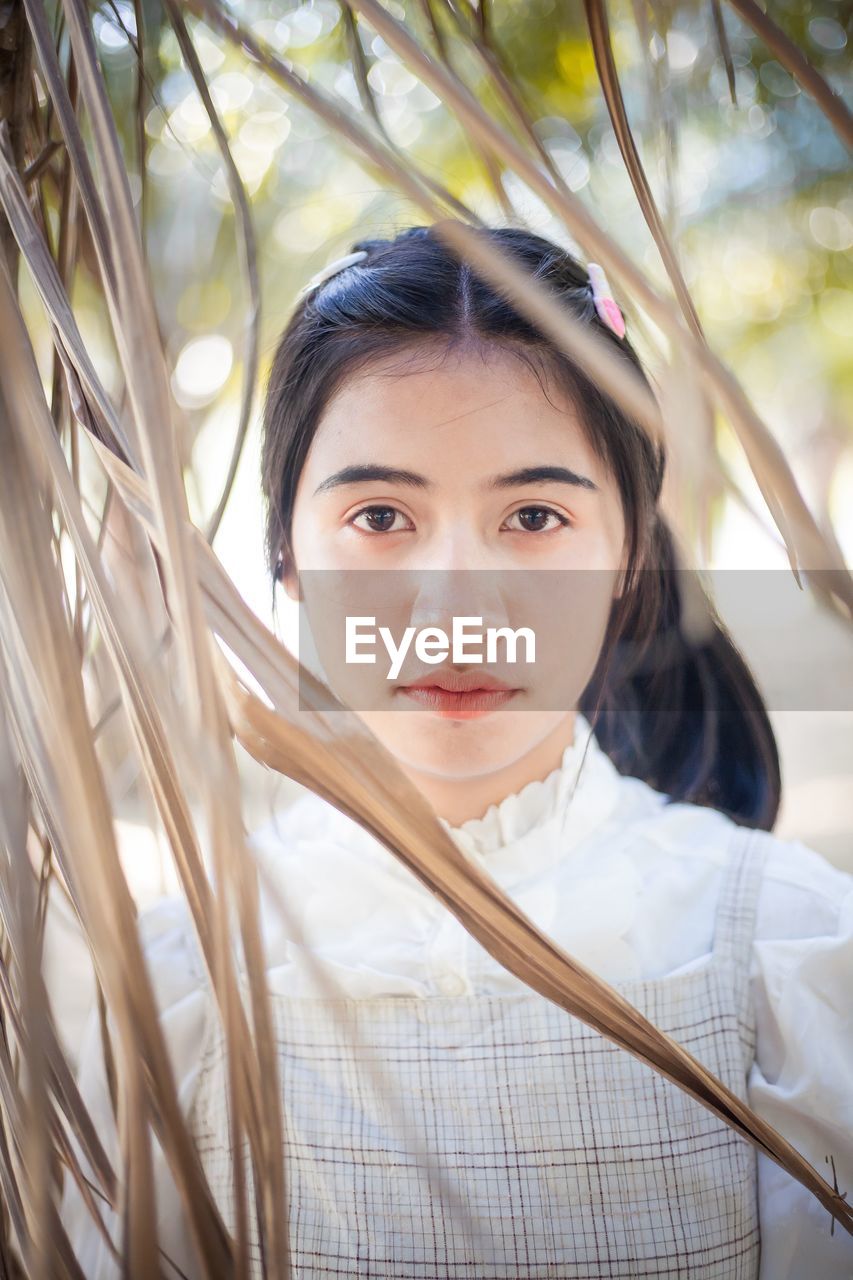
380 520
537 519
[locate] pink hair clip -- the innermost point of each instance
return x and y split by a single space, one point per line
605 304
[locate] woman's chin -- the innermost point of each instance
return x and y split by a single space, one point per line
457 747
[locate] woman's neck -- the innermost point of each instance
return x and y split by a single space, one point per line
458 800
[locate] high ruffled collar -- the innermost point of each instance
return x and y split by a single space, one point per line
576 796
521 836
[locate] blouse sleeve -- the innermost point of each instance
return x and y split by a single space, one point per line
801 1080
185 1010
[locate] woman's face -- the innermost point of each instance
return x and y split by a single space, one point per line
456 473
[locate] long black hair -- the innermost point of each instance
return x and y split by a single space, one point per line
684 716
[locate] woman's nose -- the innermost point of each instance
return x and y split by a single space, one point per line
457 547
440 595
454 575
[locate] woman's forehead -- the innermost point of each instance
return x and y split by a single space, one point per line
462 410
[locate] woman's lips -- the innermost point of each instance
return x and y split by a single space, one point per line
459 695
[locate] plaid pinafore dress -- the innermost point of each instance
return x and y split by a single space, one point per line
476 1137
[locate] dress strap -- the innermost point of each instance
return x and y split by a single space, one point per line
734 926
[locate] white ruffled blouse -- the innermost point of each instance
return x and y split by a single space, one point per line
623 881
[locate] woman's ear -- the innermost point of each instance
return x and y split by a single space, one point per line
621 578
285 572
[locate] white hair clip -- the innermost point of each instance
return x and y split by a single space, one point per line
332 269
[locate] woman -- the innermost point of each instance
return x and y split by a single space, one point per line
416 423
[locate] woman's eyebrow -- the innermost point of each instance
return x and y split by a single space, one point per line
540 475
357 474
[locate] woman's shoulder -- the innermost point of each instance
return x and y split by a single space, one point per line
307 826
801 892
